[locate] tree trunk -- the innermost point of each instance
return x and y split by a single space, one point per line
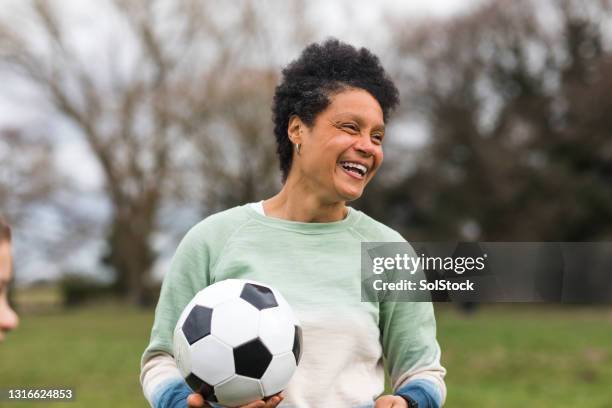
130 255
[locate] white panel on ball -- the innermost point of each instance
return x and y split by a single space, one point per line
276 329
278 374
235 322
213 361
219 292
238 390
283 304
181 353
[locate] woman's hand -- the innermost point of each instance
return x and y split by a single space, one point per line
196 400
390 401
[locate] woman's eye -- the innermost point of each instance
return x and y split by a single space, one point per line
351 127
378 137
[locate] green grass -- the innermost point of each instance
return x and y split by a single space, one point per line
95 351
525 355
503 356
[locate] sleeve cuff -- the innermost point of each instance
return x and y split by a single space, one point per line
173 394
423 392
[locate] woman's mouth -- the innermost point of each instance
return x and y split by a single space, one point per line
353 169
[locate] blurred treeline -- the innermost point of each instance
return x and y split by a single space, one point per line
511 104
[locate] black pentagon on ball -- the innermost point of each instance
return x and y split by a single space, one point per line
201 386
197 324
198 385
252 359
259 296
297 344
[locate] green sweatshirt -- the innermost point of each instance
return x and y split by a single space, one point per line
316 266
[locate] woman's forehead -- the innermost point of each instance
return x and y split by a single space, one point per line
355 102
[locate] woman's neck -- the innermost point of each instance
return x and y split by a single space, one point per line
294 204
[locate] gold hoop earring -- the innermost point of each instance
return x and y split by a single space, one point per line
297 148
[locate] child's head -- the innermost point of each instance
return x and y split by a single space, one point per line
8 318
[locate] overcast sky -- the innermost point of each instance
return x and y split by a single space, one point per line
354 21
330 17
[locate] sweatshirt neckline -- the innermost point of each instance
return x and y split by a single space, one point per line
305 227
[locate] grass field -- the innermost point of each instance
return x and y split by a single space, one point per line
502 356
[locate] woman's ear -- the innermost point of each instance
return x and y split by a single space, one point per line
294 130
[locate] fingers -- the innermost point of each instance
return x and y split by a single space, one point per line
273 401
270 402
390 401
382 404
256 404
196 400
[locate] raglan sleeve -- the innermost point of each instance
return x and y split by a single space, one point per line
162 383
412 352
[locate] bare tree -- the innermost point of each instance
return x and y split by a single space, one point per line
516 107
173 99
27 172
33 196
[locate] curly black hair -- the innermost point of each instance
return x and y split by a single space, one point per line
321 71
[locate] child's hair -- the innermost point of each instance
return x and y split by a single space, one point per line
5 231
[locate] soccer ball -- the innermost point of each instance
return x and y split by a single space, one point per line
237 341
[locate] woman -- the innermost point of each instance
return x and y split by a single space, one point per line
329 115
8 318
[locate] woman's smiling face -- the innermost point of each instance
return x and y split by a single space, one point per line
342 150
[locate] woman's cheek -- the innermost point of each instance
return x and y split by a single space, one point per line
378 161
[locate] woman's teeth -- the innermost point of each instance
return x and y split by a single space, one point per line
354 167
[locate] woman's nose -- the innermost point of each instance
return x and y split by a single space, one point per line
365 146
